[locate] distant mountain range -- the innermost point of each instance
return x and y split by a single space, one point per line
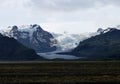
12 50
33 36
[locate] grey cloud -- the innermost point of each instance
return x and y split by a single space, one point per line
61 5
2 2
69 5
112 2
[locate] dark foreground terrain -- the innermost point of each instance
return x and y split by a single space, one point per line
59 72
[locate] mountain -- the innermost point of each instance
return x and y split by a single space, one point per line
68 41
106 45
12 50
32 36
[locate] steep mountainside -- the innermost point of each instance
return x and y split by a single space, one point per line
12 50
32 36
103 46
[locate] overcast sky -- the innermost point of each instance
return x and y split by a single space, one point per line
74 16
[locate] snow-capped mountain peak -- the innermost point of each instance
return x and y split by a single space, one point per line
32 36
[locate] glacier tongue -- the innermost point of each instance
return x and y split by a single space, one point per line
53 55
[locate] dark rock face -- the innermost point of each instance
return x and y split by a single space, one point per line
102 46
100 30
34 37
12 50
